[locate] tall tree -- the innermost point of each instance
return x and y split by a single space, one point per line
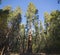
15 20
30 16
22 32
53 30
4 13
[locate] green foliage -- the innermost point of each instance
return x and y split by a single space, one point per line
34 48
30 12
32 20
46 38
14 17
53 28
16 20
3 25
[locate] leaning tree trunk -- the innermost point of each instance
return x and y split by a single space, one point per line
2 50
6 44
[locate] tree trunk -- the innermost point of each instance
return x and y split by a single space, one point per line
30 42
2 50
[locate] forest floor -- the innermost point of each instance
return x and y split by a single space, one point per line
35 54
32 54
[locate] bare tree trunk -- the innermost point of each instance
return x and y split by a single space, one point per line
5 43
30 42
2 50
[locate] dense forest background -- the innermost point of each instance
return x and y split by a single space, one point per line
14 34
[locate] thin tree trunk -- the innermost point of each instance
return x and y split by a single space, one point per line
2 50
30 42
4 46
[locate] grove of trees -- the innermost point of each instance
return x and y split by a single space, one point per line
15 36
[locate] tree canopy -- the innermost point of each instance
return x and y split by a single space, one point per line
34 35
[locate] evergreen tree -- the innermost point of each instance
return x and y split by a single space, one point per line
30 16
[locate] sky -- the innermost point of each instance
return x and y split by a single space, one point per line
41 5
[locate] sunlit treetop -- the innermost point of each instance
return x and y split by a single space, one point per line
47 16
52 15
7 8
17 11
31 10
14 14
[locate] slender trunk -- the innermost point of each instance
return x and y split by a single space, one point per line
5 43
24 41
30 40
2 50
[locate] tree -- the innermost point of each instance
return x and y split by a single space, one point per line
53 30
16 20
4 13
23 38
30 16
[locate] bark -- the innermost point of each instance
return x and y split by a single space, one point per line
2 50
30 43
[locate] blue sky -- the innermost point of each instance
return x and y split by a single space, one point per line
41 5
